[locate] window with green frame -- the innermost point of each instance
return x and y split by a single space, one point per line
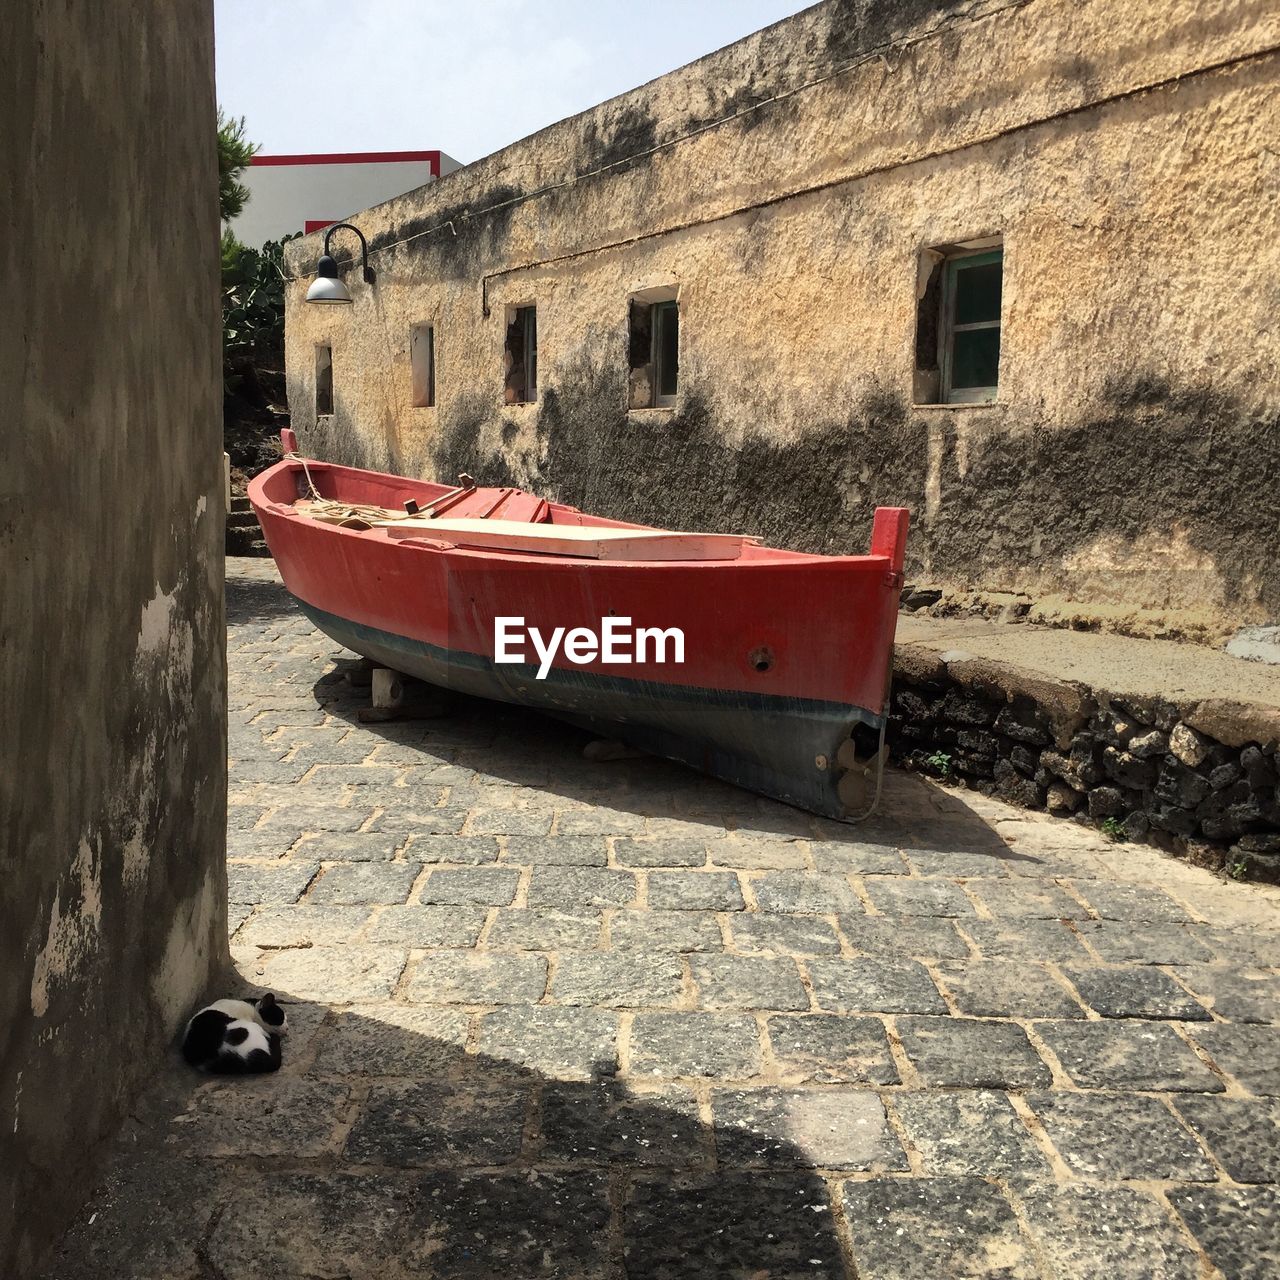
971 308
958 325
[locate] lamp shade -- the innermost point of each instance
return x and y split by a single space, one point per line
326 287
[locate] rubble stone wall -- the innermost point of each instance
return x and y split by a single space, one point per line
1200 778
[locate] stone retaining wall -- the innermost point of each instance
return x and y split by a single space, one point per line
1199 778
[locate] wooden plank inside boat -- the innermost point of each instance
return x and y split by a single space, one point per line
587 541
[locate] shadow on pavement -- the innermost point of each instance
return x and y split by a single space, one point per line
522 747
256 600
384 1150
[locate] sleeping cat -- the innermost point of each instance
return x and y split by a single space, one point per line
236 1037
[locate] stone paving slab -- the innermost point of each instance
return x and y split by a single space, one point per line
557 1043
341 1224
688 1045
1122 942
923 937
971 1053
430 926
441 1123
1128 1054
341 974
1007 989
1125 1136
292 1118
695 891
754 933
1120 1232
1238 1228
879 984
969 1132
392 1039
1250 1054
578 1021
665 931
921 1228
731 1223
1242 1134
832 1050
608 1125
1235 993
826 1129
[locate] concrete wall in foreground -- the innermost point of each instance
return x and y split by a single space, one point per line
785 187
112 667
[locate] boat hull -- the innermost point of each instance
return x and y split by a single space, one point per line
784 654
703 728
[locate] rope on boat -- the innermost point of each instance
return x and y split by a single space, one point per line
295 456
352 515
880 759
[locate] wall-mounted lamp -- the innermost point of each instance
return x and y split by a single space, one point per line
326 287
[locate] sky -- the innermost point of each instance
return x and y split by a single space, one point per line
463 78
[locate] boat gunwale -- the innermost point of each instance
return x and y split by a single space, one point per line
756 554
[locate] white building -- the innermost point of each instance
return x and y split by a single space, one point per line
305 193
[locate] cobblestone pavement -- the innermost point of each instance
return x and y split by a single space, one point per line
553 1018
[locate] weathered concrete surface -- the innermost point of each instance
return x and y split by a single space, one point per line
1256 644
1124 154
960 1040
1179 673
112 670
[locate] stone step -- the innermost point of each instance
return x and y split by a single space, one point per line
242 520
241 540
239 502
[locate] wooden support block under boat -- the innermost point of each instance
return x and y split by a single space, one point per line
396 696
594 542
388 688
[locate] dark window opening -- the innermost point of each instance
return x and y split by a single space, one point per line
521 356
958 326
324 381
654 354
422 365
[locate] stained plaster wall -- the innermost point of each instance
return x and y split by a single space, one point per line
112 670
787 185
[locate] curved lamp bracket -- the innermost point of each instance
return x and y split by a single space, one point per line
364 249
327 287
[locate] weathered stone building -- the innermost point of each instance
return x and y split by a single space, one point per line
1009 264
112 668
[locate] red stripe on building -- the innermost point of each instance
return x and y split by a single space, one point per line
359 157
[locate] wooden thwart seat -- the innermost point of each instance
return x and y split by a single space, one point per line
594 542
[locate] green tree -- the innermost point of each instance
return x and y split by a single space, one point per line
252 306
235 151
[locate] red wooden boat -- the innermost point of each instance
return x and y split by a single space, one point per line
786 656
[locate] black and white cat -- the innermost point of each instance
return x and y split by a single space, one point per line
236 1037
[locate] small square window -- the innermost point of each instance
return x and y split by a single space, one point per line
422 365
653 353
520 356
324 381
958 324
